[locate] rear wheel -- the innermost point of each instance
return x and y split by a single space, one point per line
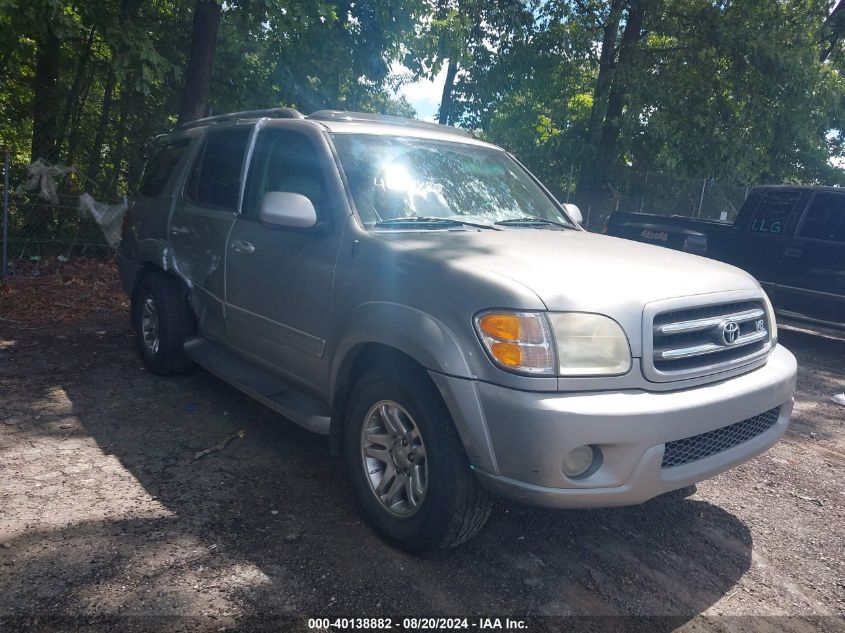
163 322
407 465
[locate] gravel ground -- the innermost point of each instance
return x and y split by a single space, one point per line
108 522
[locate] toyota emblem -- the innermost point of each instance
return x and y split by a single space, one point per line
730 332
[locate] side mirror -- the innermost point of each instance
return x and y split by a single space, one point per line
574 213
288 210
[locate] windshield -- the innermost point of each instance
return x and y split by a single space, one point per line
393 178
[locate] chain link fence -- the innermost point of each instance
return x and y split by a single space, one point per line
659 194
78 112
39 227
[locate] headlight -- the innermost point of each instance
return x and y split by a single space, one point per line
556 343
590 345
770 313
518 341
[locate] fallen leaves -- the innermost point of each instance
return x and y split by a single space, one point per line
81 290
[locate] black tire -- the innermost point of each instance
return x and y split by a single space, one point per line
176 324
455 506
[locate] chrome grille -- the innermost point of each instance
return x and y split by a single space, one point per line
698 447
707 339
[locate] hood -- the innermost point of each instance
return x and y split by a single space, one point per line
580 271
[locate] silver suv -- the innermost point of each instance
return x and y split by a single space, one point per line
418 296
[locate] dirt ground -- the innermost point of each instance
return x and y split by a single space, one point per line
107 522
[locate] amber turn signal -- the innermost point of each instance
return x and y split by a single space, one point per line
508 354
517 341
500 326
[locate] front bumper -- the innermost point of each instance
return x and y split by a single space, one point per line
530 432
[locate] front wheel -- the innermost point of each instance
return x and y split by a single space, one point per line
407 465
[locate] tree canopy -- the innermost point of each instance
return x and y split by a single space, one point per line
581 90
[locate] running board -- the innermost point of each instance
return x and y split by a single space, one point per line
268 390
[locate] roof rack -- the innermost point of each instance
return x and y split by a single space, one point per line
343 115
272 113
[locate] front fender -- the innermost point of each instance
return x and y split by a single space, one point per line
413 332
433 345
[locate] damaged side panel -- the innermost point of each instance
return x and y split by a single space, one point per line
156 251
141 255
146 229
202 219
198 238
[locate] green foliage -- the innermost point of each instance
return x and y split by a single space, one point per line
120 67
736 91
747 91
731 90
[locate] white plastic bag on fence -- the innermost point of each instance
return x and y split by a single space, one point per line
42 176
109 217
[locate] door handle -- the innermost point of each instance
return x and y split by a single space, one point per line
243 247
791 251
179 230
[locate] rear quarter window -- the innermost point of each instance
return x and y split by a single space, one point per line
160 166
825 219
773 212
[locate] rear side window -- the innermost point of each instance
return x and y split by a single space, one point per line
215 179
772 214
825 219
160 166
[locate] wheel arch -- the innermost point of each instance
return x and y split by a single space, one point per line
355 361
390 333
427 340
145 268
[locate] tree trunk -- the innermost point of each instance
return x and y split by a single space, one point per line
75 132
198 70
631 37
835 26
73 94
606 68
119 142
588 178
128 10
444 113
44 87
95 155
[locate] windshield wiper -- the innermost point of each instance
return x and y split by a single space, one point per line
431 223
531 221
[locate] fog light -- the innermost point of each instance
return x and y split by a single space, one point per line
578 461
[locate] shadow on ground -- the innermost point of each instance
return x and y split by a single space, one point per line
267 527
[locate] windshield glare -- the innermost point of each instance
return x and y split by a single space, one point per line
398 177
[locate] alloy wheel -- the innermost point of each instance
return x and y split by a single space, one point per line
149 326
394 458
